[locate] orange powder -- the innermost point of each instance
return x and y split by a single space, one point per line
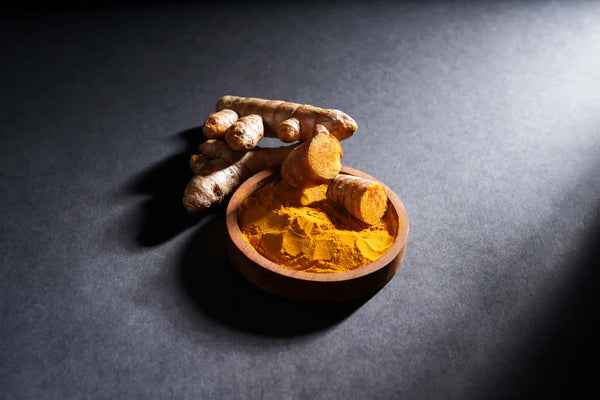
302 230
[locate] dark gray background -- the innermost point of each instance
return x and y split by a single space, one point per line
484 117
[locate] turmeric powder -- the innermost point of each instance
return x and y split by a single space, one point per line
301 230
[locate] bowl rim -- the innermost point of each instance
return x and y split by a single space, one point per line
258 180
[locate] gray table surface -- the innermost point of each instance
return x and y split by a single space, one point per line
484 117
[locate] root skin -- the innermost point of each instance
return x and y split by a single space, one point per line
289 130
220 170
364 199
245 133
275 112
217 123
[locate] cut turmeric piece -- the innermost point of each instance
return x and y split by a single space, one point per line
313 162
365 199
290 121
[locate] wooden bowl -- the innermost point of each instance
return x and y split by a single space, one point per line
311 286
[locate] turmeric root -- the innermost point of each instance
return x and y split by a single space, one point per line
315 161
289 130
245 133
219 170
289 121
217 124
214 155
365 199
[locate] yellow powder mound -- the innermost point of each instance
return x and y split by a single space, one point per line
302 230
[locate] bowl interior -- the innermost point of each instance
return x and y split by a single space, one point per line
262 178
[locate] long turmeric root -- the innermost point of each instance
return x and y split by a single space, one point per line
288 121
365 199
219 170
315 161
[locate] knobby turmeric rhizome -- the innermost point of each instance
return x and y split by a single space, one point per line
313 218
